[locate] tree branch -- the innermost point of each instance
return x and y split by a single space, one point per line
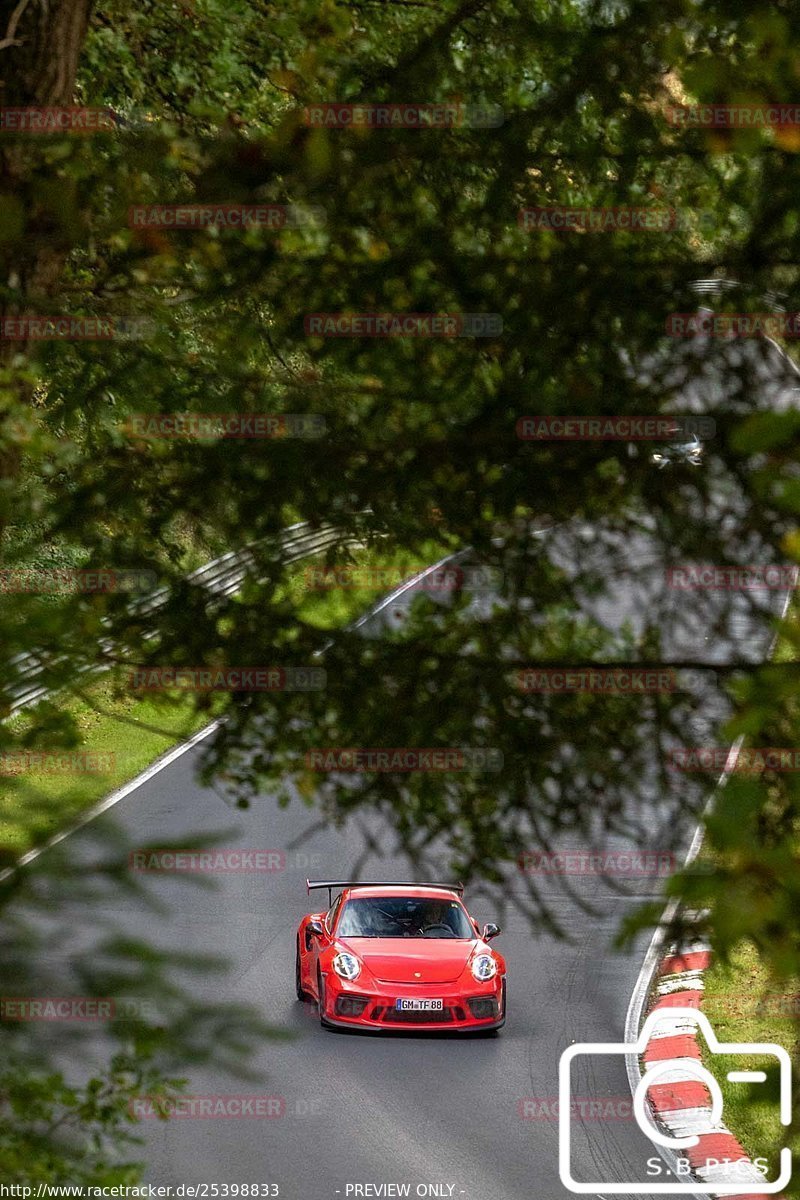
10 39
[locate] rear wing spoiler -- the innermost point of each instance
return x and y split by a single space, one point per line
313 885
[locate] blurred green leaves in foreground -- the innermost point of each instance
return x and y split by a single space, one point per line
420 438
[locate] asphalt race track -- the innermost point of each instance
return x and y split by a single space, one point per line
473 1116
403 1108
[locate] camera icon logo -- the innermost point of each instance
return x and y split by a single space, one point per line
688 1069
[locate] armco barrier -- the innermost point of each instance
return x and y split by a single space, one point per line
222 577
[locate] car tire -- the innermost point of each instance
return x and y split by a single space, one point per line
298 986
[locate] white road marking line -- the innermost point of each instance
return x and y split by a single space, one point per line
108 802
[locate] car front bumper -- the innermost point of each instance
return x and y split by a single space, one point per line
380 1013
355 1023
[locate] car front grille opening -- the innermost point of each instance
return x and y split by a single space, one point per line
483 1007
441 1016
391 1015
350 1006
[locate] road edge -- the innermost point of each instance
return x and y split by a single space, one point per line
657 955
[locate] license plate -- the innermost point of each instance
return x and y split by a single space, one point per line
420 1005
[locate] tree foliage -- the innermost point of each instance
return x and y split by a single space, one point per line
421 434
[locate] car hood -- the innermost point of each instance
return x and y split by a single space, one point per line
412 960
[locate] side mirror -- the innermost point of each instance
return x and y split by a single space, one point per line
490 931
315 928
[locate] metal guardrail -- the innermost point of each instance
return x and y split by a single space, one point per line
715 288
221 577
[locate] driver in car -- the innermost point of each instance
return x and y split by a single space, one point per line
438 914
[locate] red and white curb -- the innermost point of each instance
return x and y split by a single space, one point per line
680 1103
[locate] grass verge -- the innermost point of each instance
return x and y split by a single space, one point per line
130 731
744 1004
124 734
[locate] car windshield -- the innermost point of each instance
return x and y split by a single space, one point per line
404 916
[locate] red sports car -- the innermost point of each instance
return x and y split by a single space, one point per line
394 955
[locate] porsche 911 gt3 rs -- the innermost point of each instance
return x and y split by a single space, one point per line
399 955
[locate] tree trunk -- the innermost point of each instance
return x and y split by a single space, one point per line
46 36
40 47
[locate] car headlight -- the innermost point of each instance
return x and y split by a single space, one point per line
347 966
484 967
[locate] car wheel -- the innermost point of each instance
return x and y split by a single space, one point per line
298 985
